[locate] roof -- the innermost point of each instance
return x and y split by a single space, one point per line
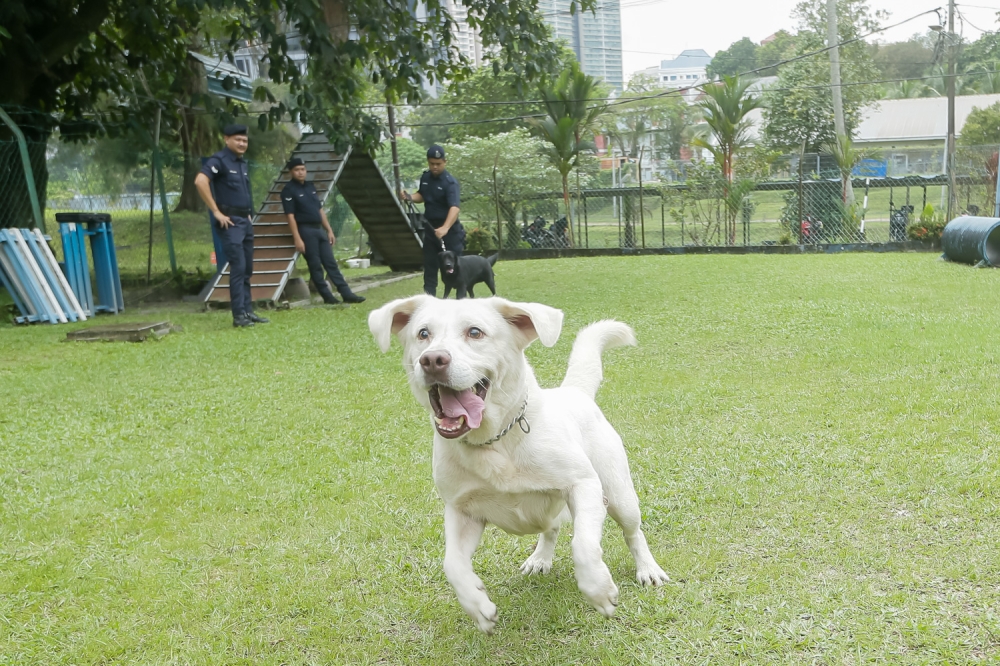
687 59
217 65
217 70
917 119
902 120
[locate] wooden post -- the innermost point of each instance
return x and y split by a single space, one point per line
392 144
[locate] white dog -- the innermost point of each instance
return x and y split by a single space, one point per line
508 452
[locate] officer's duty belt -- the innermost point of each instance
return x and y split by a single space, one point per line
232 210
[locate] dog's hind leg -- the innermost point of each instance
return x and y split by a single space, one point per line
540 560
624 508
461 538
491 285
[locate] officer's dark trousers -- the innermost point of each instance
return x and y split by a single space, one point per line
238 240
319 255
454 241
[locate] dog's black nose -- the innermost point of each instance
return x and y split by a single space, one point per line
435 362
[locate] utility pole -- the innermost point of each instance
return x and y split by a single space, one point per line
832 39
950 147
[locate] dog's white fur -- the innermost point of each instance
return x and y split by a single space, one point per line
570 466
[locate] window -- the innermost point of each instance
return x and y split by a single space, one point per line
673 78
242 65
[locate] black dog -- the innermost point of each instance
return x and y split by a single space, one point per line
460 273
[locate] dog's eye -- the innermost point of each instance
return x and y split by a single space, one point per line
475 333
424 334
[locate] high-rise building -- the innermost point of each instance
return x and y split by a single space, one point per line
464 36
595 37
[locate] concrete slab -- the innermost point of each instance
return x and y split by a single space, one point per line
134 332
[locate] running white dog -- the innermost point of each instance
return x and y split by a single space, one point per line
510 453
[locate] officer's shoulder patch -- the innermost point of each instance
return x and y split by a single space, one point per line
214 169
288 198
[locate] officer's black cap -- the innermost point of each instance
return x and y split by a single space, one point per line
232 130
294 162
435 152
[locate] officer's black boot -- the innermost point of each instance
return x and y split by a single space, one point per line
351 297
257 320
241 321
328 296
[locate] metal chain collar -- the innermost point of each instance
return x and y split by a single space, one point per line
519 420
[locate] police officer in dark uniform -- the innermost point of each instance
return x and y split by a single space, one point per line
313 236
439 192
224 186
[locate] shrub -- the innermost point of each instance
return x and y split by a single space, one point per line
928 227
480 241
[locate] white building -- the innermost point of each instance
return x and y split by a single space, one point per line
685 71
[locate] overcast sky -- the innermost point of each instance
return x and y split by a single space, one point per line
653 30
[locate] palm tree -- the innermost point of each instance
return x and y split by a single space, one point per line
847 157
725 109
571 117
986 77
909 89
938 84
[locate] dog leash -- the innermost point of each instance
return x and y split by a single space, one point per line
519 420
413 211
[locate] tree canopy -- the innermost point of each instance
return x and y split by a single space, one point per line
799 109
982 127
100 67
483 104
741 56
80 62
651 119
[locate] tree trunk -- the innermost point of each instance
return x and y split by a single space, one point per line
15 200
337 19
196 133
569 211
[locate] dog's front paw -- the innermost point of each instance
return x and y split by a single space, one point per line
651 574
485 615
536 565
477 604
602 594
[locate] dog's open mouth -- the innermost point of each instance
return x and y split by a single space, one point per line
449 270
458 412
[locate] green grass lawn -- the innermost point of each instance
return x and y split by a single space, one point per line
814 441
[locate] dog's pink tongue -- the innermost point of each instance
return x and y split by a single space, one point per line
462 403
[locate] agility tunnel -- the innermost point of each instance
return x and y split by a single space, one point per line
972 240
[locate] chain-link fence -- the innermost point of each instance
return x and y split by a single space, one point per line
16 208
117 178
800 200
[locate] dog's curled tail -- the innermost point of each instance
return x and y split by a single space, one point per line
585 370
493 259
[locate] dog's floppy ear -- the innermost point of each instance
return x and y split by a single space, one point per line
532 320
391 318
